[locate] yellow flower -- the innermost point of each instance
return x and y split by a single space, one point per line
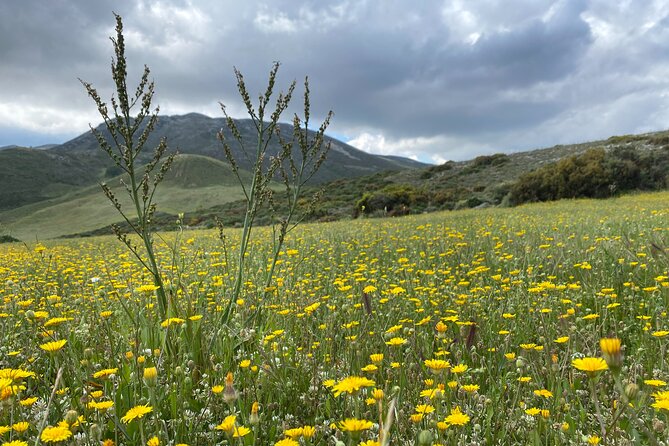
654 382
100 405
590 365
287 442
533 411
21 426
54 434
460 368
146 288
594 439
150 375
308 431
543 392
53 346
15 443
136 413
470 388
355 425
240 431
376 358
370 443
153 441
424 408
104 373
661 333
611 351
351 385
227 425
661 404
437 366
457 418
396 341
561 340
295 432
28 401
663 395
172 321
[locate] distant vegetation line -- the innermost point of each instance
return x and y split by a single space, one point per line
594 170
598 169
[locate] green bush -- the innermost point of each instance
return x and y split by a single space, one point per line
596 173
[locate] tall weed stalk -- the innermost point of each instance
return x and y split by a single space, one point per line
127 139
298 160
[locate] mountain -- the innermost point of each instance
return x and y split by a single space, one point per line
197 134
32 175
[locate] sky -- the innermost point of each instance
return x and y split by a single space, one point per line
430 80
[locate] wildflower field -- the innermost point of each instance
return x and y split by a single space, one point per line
543 324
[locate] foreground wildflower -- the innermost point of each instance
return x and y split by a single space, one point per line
227 425
351 385
104 373
287 442
53 346
590 365
240 431
437 366
355 425
15 443
136 413
396 341
457 418
54 434
544 393
611 352
661 405
100 405
172 321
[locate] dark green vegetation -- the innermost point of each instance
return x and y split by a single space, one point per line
203 189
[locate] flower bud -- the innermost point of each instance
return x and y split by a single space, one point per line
150 376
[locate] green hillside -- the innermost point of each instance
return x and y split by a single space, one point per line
193 184
485 181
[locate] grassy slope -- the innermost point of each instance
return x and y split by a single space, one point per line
196 189
194 183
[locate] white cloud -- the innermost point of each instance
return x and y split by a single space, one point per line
436 149
44 119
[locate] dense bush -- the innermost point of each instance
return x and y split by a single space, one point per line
395 199
596 173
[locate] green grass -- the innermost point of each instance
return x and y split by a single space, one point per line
194 183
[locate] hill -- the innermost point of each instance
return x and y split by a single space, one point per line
482 182
31 175
194 183
194 133
202 188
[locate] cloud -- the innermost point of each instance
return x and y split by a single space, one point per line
433 80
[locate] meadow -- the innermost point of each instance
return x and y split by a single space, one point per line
494 326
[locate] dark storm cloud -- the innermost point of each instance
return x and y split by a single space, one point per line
433 79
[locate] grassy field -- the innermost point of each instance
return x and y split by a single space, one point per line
469 327
194 183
